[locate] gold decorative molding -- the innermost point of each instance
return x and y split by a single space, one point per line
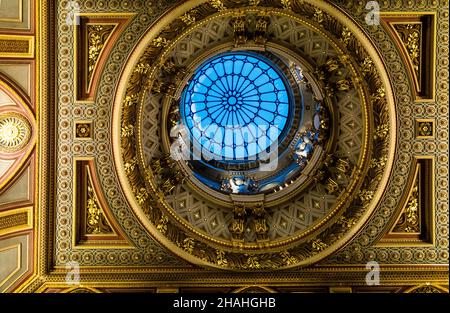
16 220
97 36
340 289
93 220
414 223
217 4
409 221
239 22
168 171
188 18
161 42
81 289
254 289
262 22
15 46
167 290
13 220
286 4
94 39
309 278
411 37
93 225
254 2
415 35
427 288
96 222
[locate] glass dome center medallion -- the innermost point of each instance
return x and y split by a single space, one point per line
235 106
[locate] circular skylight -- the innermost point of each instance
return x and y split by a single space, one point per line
235 106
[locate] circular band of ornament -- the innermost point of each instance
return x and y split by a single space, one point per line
357 202
307 97
15 132
250 203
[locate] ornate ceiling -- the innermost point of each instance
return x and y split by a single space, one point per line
93 105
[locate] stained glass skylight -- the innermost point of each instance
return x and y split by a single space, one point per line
235 106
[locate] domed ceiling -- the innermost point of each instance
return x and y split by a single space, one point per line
226 195
182 144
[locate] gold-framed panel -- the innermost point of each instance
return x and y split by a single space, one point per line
17 46
20 219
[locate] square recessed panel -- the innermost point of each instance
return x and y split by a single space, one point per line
425 128
15 14
11 11
83 130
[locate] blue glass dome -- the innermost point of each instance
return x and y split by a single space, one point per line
235 106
